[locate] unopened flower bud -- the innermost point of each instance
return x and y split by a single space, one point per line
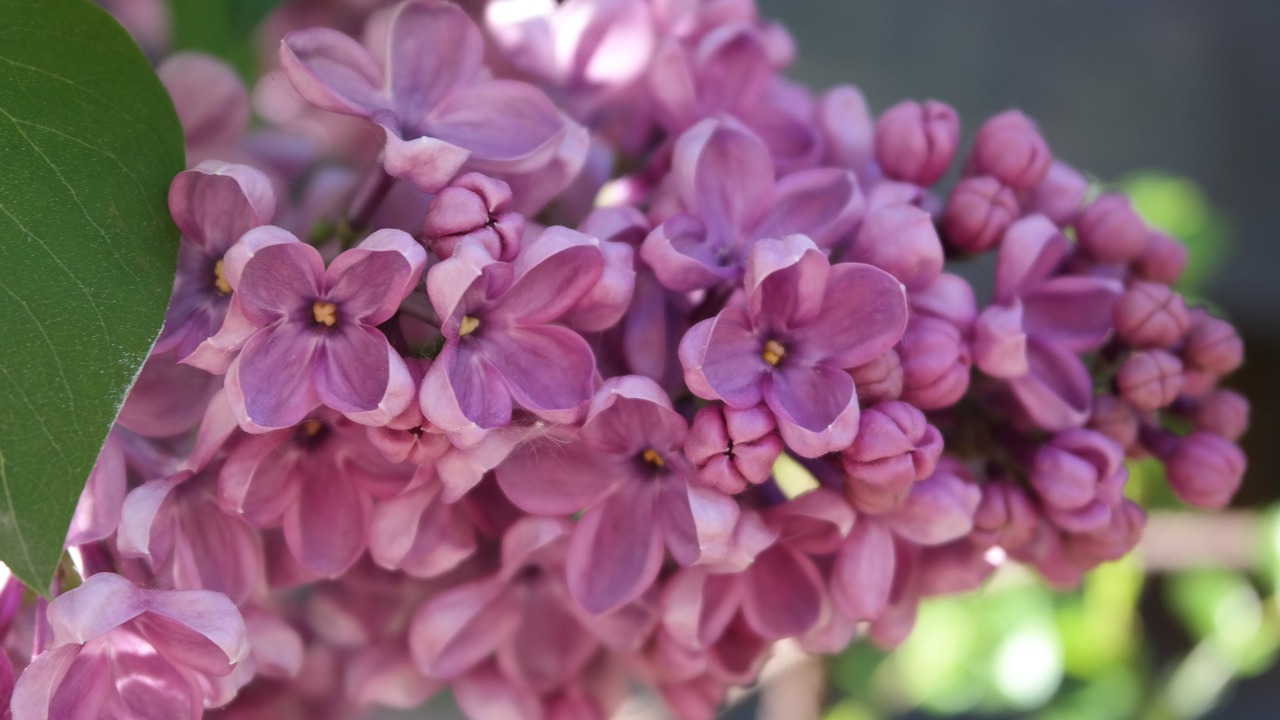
1010 148
474 207
880 379
1110 230
1205 470
916 142
1151 315
1213 345
1162 259
1150 380
1114 418
1224 413
935 363
733 448
1080 477
978 212
900 240
1006 516
895 447
1059 194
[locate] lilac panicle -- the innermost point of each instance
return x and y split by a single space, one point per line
804 323
304 336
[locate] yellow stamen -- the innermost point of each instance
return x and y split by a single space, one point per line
469 325
325 313
773 352
312 427
220 279
653 458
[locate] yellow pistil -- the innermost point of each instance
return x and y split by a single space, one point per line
325 313
469 325
773 352
220 279
312 428
653 458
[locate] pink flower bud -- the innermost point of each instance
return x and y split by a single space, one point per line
1110 230
935 363
1162 259
474 207
895 447
1213 345
1010 148
733 448
1151 315
1150 380
1224 413
1205 470
1059 194
1006 516
1114 418
900 240
977 214
880 379
916 142
1080 477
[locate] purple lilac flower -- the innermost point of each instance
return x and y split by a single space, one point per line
429 94
304 336
804 322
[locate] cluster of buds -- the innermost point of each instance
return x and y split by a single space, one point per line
494 403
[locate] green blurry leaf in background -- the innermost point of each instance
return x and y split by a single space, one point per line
222 28
89 142
1179 207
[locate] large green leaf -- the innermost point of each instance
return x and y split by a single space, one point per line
89 142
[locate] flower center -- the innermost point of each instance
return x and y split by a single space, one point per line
652 457
324 313
468 326
773 352
220 279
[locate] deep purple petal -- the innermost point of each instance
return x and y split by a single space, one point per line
685 258
332 72
549 477
1032 249
327 527
785 281
630 414
549 369
351 369
474 384
460 627
1072 312
615 551
552 274
784 594
823 204
212 208
815 407
369 281
862 577
435 51
725 177
507 126
274 275
722 359
270 384
863 315
1057 393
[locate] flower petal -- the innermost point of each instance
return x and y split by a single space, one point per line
332 72
722 359
270 384
615 550
549 369
784 594
863 315
816 408
507 126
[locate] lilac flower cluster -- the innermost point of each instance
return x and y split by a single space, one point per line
483 351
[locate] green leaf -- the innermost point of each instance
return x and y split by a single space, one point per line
89 142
